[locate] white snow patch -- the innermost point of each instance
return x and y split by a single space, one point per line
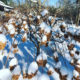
44 77
3 38
13 62
29 52
5 74
75 73
44 12
16 70
33 67
44 38
47 29
43 25
42 56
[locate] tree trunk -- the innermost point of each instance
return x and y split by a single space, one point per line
38 49
78 12
78 17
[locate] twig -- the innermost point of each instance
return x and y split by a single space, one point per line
9 52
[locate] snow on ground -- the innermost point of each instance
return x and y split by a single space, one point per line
44 77
26 53
56 57
5 74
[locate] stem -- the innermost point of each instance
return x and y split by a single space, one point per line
9 52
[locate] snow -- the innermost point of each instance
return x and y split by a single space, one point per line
11 20
13 62
43 25
50 68
1 57
55 75
5 74
1 3
47 29
42 56
15 42
24 22
72 61
12 31
35 1
11 55
17 16
27 51
1 29
47 65
58 65
71 30
55 54
68 57
30 14
26 26
78 62
74 49
44 12
11 27
24 68
44 77
38 17
25 35
50 18
24 17
72 52
64 71
75 73
33 27
44 38
33 67
5 9
64 24
78 43
78 66
73 42
19 21
3 38
20 77
17 70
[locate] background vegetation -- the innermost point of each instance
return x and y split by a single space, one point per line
66 9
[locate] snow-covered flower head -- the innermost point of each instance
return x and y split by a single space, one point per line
33 67
13 62
64 24
38 17
24 22
78 62
12 20
30 15
50 18
75 73
47 29
44 12
44 38
24 17
43 25
42 56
